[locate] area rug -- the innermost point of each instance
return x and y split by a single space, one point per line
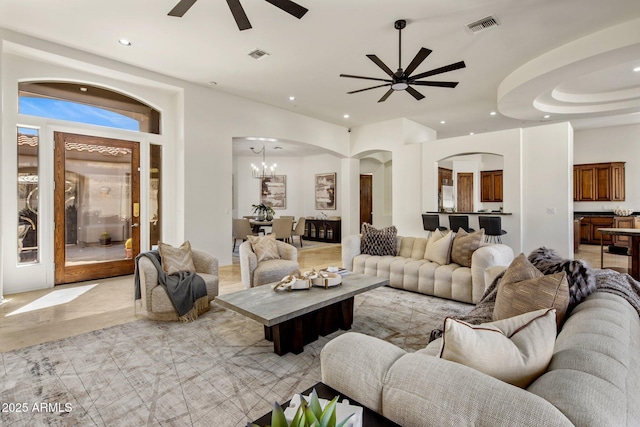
218 371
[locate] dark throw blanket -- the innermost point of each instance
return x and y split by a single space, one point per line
610 281
187 291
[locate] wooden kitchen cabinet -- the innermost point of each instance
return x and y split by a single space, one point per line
491 186
597 182
624 222
589 233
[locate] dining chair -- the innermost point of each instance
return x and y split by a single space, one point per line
241 228
492 228
300 229
282 228
459 221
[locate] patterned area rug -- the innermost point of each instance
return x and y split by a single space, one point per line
218 371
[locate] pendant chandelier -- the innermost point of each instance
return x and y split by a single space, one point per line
263 171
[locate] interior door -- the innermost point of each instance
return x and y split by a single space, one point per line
465 192
366 199
97 207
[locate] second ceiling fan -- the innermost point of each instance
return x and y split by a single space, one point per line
403 79
238 13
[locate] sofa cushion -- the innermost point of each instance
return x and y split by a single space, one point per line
174 259
439 247
378 242
406 247
265 247
464 245
517 352
524 288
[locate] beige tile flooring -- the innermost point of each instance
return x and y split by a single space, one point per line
111 302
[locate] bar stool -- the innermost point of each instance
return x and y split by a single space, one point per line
492 228
431 223
460 221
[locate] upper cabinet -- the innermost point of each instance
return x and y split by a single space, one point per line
491 186
596 182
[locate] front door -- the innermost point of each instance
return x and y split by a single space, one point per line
97 207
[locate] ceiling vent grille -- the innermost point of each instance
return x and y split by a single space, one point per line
257 54
483 24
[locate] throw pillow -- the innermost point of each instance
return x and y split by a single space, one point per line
439 247
378 242
581 277
523 288
516 351
464 245
174 260
265 247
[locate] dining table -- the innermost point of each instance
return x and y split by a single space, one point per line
258 224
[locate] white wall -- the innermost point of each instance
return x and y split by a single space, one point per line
611 144
529 154
404 139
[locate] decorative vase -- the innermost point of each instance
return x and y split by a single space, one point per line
269 216
260 217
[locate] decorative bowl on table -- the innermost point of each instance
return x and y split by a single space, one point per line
623 212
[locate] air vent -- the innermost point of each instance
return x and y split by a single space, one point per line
257 54
483 24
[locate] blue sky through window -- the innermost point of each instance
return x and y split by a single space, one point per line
71 111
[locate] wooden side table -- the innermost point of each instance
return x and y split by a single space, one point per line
369 417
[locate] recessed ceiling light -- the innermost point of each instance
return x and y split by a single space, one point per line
493 113
546 116
471 133
442 122
124 42
637 69
83 89
252 138
346 116
292 98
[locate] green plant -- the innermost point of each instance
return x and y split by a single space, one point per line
262 209
308 414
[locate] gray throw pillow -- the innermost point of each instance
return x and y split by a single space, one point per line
378 242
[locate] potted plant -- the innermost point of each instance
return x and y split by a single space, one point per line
263 211
308 414
105 239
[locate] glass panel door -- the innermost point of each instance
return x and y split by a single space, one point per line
96 207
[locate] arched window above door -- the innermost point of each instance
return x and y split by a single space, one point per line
87 104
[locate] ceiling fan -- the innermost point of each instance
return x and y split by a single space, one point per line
238 11
402 79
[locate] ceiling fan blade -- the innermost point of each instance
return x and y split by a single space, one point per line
238 14
437 84
181 8
380 64
417 95
386 95
440 70
369 88
365 78
290 7
417 60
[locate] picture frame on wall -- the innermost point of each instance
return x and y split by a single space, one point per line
325 191
273 191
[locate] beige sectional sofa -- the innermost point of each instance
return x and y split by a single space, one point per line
410 270
593 378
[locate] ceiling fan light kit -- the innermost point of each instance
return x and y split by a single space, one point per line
242 21
404 79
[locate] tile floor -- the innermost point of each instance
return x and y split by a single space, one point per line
110 303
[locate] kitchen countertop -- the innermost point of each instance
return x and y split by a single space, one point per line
470 213
577 215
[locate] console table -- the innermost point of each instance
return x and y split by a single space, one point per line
323 230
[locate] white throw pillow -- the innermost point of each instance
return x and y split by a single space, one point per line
515 350
439 247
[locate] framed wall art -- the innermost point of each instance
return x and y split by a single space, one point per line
326 191
273 191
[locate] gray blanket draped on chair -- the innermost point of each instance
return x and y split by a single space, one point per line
187 291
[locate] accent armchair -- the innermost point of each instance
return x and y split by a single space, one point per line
155 301
254 273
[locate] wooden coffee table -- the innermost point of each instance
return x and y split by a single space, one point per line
369 417
292 319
